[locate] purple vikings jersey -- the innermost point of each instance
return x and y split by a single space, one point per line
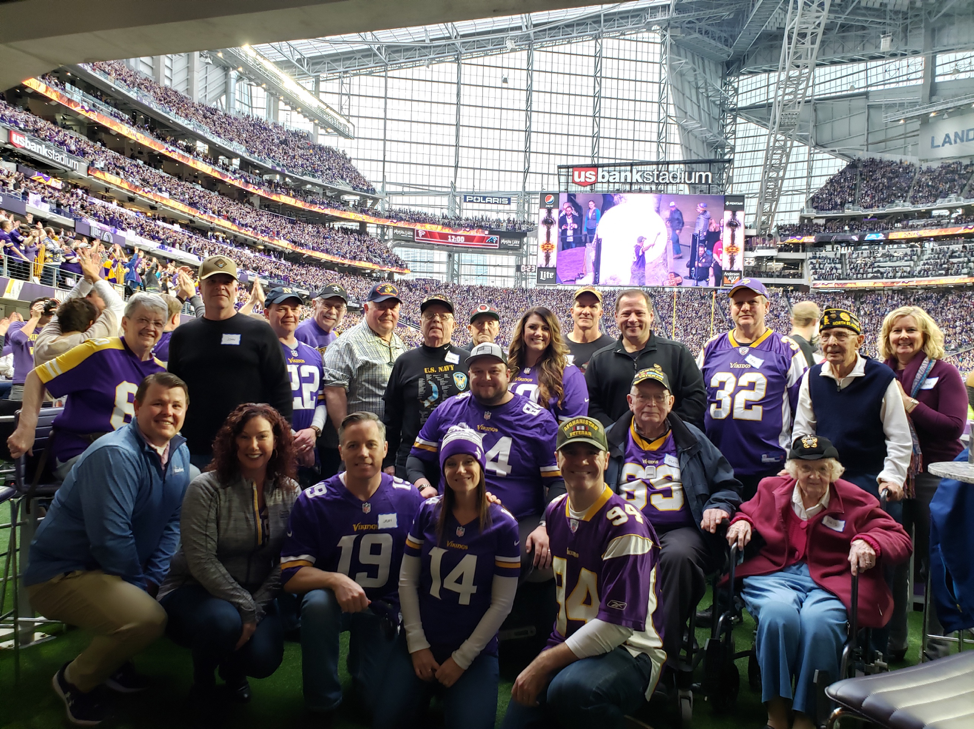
161 350
101 376
752 392
22 346
314 336
573 403
519 438
605 568
457 572
652 481
306 372
332 530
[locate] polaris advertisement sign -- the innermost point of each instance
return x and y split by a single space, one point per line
486 200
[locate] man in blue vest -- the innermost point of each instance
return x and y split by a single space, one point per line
854 401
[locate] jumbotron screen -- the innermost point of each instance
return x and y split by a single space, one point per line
640 239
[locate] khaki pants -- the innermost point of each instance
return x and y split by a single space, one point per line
124 619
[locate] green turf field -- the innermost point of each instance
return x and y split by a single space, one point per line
31 703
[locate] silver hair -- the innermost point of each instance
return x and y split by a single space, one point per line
147 301
836 469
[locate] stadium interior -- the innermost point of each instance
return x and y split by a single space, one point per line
423 146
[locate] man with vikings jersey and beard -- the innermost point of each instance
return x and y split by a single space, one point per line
752 375
342 553
682 484
605 653
305 370
519 437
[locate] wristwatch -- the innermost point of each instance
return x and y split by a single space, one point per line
913 402
317 431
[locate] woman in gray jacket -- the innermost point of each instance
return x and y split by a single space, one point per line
221 589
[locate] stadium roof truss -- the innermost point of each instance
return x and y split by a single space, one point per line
710 49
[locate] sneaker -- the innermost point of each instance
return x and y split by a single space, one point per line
82 709
126 680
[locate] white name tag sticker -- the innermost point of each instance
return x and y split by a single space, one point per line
230 339
754 361
836 525
671 460
388 521
452 357
570 359
929 383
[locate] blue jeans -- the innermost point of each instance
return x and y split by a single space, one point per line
801 629
211 627
592 692
470 703
675 239
322 621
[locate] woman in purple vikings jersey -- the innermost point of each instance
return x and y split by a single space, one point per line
538 363
221 591
456 586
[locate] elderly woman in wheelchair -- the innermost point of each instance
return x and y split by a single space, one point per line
804 531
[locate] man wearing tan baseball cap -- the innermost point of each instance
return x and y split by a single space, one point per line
586 338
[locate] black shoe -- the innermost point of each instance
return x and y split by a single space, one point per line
238 689
83 709
896 656
703 617
126 680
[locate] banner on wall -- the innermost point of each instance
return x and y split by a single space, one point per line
945 137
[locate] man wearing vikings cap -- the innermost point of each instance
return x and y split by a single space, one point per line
752 375
421 379
282 309
854 401
342 553
683 486
519 438
605 653
457 584
358 364
485 324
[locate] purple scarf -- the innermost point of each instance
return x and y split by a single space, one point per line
911 378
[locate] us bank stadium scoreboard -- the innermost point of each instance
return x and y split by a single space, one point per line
643 224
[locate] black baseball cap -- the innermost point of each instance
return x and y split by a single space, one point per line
383 292
652 374
282 293
812 448
440 299
333 290
486 309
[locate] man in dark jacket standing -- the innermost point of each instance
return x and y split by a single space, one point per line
685 488
675 220
610 371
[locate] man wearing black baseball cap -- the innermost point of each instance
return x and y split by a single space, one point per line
358 364
421 379
485 324
319 331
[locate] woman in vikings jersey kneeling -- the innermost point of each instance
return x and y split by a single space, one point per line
457 584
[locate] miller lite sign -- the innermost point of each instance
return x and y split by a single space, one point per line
585 176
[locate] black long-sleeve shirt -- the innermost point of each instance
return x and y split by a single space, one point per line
421 379
227 363
610 372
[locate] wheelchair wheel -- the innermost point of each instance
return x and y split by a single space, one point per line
753 671
725 697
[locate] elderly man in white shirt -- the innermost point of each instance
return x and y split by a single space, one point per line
854 401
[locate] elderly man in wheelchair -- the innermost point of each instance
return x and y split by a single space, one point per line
803 532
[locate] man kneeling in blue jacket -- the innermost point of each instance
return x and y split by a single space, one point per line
677 478
104 547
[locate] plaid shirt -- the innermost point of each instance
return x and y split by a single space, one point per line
360 361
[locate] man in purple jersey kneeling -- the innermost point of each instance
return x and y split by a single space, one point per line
605 652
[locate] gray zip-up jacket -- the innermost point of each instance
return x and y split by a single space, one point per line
223 546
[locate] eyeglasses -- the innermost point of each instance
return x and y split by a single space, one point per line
143 322
658 398
437 316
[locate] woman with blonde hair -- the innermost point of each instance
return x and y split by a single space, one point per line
539 366
912 345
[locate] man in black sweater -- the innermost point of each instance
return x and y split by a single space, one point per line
421 379
610 371
225 359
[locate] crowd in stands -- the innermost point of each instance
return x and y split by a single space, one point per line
873 184
171 102
336 241
930 259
